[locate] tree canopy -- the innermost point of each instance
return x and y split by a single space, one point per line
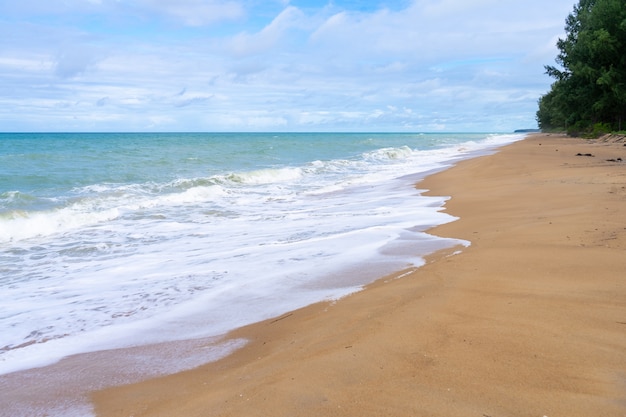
589 90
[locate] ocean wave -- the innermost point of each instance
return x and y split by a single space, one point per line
265 176
222 245
19 225
12 196
389 154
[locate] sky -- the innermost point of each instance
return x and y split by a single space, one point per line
275 65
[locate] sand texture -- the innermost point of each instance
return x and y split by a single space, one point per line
530 320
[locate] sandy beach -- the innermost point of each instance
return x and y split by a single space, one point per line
530 320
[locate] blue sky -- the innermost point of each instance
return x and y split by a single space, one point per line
275 65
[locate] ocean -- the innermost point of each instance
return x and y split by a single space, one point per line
113 240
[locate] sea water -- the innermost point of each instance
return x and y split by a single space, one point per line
125 239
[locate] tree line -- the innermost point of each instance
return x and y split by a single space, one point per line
588 95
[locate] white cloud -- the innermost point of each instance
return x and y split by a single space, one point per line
74 60
19 65
437 9
122 65
246 44
196 12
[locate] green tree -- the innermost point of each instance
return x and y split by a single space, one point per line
590 82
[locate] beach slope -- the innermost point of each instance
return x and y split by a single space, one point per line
530 320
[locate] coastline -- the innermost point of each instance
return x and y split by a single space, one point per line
528 320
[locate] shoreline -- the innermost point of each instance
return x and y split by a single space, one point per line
528 320
54 387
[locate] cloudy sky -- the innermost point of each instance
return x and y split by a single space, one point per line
275 65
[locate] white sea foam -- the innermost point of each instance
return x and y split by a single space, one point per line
122 264
19 224
266 176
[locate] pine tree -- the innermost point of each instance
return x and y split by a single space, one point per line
590 85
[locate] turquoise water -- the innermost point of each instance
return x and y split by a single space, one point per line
57 161
112 240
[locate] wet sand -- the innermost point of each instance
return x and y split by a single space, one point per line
530 320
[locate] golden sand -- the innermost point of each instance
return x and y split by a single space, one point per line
530 320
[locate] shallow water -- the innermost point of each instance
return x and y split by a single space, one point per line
118 240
